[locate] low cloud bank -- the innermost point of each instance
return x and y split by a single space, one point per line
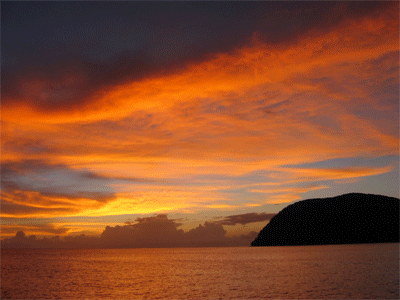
148 232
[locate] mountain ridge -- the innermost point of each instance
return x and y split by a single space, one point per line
346 219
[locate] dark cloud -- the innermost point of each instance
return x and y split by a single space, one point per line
157 231
244 219
12 208
47 228
91 175
54 180
20 240
25 145
71 83
32 187
61 55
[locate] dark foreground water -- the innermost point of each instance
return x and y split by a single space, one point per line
306 272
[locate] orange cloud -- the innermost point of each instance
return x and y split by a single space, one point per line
23 204
334 174
351 41
259 107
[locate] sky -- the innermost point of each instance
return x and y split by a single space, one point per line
201 119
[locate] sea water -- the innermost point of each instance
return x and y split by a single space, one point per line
366 271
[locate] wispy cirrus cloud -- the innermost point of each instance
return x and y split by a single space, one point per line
214 131
54 76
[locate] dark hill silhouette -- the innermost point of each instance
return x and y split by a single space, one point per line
346 219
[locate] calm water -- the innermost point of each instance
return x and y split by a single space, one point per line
308 272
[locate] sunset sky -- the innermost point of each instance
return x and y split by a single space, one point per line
218 112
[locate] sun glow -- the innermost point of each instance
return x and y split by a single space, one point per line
214 134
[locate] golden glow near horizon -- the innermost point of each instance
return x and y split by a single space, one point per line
230 132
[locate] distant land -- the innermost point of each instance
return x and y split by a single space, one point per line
347 219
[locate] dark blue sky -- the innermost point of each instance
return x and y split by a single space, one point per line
117 42
42 36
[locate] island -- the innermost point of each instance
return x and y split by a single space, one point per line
347 219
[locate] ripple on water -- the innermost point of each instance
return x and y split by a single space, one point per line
337 271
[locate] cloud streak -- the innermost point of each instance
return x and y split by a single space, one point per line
221 127
55 76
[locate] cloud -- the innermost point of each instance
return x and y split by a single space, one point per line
13 205
74 86
311 174
157 231
20 240
147 232
149 141
47 229
34 187
244 219
208 234
71 85
54 180
91 175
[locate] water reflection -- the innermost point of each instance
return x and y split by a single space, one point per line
336 271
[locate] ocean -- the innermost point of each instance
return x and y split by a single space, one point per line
365 271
